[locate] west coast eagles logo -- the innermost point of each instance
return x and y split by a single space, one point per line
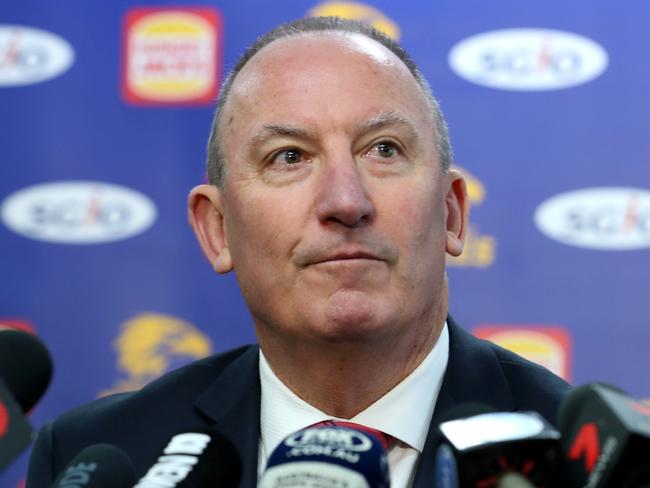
480 249
152 344
357 11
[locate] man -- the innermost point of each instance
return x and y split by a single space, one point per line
332 197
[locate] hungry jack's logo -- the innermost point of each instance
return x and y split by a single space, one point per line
171 56
548 346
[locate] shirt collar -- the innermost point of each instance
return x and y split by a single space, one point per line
404 412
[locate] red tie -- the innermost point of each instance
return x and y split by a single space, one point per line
386 440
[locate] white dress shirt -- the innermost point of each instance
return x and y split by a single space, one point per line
404 412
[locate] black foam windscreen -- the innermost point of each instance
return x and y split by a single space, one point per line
575 400
219 465
606 438
25 366
98 466
196 458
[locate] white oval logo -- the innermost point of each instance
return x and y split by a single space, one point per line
78 212
598 218
528 59
29 55
341 438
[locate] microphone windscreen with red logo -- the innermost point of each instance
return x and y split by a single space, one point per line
481 450
606 438
25 372
25 366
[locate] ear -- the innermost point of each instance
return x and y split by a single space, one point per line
206 216
457 212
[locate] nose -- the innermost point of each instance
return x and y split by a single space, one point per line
342 197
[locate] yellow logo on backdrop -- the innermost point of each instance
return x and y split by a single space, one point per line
357 11
480 250
549 346
152 344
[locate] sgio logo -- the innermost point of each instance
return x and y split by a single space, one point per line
528 59
598 218
78 212
30 55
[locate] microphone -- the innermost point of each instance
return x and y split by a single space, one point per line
25 372
98 466
25 366
606 437
497 449
195 459
329 456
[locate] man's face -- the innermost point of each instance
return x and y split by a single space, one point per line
335 210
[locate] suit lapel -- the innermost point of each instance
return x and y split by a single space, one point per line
473 375
232 402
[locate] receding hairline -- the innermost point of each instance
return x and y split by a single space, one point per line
361 47
319 27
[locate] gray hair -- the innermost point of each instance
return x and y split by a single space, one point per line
216 160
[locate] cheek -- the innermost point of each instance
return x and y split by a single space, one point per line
258 232
419 222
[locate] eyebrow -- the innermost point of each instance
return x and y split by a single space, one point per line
272 130
377 122
386 119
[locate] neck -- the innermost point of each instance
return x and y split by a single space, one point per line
343 379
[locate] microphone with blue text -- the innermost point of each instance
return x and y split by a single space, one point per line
25 372
197 459
98 466
497 449
330 456
606 436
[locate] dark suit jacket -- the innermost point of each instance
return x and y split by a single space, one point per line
223 392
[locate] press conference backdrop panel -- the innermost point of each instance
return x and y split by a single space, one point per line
105 109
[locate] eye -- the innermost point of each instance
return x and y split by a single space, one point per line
288 156
384 150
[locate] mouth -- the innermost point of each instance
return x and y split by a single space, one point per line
347 256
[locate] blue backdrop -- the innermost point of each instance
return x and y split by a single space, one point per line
106 108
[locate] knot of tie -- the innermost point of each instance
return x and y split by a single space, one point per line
386 440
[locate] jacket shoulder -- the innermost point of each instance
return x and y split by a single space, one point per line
179 385
145 418
503 378
533 387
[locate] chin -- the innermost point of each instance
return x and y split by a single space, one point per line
351 315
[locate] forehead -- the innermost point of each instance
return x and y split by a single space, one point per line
323 77
318 64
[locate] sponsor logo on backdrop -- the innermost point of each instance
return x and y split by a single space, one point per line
549 346
78 212
29 55
528 59
150 345
171 56
606 218
357 11
479 250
